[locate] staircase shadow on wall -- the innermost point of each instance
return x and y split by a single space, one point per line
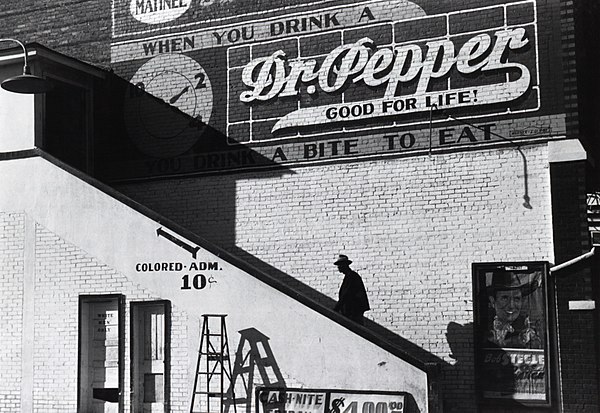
129 158
393 338
434 364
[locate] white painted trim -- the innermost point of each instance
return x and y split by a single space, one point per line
566 151
582 305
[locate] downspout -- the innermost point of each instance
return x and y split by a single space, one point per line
573 261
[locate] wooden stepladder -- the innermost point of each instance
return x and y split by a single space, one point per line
213 370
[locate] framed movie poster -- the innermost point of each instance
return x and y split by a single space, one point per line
511 332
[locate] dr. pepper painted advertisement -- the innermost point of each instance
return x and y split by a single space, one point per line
313 82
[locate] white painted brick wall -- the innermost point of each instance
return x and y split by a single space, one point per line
64 272
11 295
413 227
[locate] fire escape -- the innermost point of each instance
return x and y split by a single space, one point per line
593 215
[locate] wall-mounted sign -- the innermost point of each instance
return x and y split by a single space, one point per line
511 332
275 400
332 81
388 72
158 11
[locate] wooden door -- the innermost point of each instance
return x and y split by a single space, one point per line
99 357
149 358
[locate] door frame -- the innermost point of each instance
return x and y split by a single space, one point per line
134 306
93 298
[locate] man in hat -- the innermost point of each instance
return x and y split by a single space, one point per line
353 301
510 328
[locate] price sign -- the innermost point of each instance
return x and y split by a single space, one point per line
350 402
290 400
278 400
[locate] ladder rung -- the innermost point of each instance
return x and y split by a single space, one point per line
215 356
210 393
242 370
214 352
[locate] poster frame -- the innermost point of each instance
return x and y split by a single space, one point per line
549 339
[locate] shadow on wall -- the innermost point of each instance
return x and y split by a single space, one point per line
253 355
398 341
461 373
256 367
153 150
139 136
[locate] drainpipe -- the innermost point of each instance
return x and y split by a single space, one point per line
573 261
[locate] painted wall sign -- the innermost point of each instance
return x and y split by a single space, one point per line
329 82
273 400
158 11
180 82
195 275
386 75
128 20
357 61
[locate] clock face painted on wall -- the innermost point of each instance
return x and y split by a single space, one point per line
169 118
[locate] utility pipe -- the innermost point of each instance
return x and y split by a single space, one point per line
573 261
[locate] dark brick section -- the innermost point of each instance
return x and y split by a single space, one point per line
579 374
567 30
520 14
419 29
78 28
320 44
587 38
380 34
239 56
476 20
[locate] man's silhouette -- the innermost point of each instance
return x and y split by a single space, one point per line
353 301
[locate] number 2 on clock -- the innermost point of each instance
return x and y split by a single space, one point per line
200 76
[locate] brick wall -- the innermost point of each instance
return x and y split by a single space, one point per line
11 293
568 48
78 28
413 227
577 345
62 273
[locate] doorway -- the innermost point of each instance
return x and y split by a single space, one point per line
100 354
150 349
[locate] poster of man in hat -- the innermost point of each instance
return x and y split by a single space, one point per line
512 324
511 331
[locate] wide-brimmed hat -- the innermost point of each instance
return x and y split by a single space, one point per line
342 260
510 280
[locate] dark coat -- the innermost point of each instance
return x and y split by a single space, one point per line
353 299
